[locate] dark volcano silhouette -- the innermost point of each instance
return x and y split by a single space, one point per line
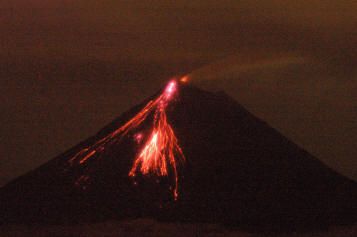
238 171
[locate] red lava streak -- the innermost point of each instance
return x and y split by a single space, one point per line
160 153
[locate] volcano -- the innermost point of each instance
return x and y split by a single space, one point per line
184 155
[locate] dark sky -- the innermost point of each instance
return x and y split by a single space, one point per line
67 68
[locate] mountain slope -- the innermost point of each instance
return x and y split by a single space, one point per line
238 170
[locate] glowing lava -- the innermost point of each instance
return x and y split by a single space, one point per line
185 79
160 154
160 151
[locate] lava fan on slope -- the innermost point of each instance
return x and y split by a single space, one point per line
184 154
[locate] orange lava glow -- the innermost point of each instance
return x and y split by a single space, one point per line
160 154
160 151
185 79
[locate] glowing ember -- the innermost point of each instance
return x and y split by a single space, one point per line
160 154
184 79
138 137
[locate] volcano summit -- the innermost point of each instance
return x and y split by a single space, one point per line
184 155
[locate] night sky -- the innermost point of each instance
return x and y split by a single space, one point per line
67 68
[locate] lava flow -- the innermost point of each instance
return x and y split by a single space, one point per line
161 152
162 146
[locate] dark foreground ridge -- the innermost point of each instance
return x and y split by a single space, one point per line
239 171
